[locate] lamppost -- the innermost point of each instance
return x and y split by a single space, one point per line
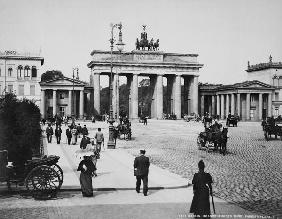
120 45
73 69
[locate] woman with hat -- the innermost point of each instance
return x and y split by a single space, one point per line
87 169
202 187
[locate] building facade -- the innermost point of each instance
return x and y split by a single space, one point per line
20 73
252 100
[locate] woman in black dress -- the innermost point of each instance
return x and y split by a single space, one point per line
202 188
87 169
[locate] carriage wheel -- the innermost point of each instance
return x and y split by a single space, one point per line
59 170
43 182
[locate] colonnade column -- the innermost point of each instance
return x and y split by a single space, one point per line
134 97
159 101
81 104
153 80
222 106
96 86
43 103
186 95
202 105
170 95
177 96
238 105
232 104
129 81
54 102
217 105
70 103
213 106
227 105
247 106
195 94
269 107
260 106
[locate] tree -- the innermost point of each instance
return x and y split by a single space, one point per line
50 75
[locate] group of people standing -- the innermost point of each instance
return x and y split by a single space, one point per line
74 131
50 133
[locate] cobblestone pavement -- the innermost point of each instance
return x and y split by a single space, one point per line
249 174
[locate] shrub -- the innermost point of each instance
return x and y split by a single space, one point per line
20 128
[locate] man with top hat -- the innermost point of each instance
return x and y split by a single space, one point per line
141 171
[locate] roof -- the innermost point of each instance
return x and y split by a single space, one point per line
64 81
263 66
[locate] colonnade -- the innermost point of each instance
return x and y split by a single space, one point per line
238 103
156 84
69 102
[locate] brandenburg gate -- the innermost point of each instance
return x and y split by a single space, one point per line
156 65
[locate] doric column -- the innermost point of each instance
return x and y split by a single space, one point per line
239 105
227 105
222 106
43 103
54 102
202 105
129 81
170 94
195 94
159 101
213 105
177 97
134 97
217 105
81 104
232 104
269 105
247 106
96 96
70 103
260 106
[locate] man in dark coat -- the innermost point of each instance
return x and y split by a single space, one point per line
84 130
49 133
79 130
141 171
58 133
84 141
69 135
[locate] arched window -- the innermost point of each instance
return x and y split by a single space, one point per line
33 72
10 71
26 71
20 68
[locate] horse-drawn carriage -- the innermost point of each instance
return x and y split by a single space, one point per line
272 126
232 120
213 139
42 177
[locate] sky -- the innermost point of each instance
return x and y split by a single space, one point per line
226 34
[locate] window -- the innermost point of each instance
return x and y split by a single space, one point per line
21 90
26 71
33 72
20 68
62 96
10 88
10 70
32 90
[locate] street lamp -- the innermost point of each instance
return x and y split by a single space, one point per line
120 45
73 69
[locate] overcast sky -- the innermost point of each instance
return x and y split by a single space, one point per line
226 34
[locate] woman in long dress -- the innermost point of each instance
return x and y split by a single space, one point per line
202 188
87 169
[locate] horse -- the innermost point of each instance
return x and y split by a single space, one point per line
144 43
137 44
156 45
151 45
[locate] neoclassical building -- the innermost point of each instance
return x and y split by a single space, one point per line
252 100
20 73
156 65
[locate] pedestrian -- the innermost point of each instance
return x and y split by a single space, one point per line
79 130
84 130
58 133
141 171
93 119
87 169
69 135
145 120
74 135
99 140
202 187
49 133
84 142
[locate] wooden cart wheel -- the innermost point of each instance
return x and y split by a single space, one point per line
43 182
59 170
